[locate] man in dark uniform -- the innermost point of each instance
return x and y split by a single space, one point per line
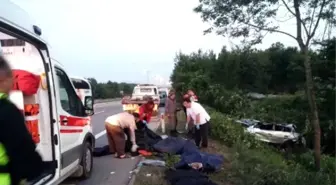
19 158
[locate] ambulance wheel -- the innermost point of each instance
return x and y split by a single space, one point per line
87 161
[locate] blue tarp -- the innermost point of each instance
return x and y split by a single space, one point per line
189 153
175 145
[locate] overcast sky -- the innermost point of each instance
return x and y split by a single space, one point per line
120 40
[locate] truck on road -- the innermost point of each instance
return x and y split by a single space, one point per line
141 94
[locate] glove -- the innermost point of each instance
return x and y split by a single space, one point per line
197 126
134 148
186 126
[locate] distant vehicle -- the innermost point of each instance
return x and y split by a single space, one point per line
276 133
140 95
82 86
163 92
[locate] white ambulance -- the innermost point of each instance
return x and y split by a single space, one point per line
57 119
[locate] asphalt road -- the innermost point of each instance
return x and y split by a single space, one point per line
107 170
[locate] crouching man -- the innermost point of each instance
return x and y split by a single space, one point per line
116 126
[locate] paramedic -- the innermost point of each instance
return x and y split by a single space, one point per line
201 121
170 111
146 111
18 159
116 126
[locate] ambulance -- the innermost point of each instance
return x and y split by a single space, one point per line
82 86
55 116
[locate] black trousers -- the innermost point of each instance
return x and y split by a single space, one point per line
201 135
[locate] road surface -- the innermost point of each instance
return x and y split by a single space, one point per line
107 170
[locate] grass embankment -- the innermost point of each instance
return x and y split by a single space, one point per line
249 162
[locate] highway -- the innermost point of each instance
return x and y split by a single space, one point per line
107 170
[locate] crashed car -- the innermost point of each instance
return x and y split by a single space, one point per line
280 134
247 122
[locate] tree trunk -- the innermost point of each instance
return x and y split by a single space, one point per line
313 108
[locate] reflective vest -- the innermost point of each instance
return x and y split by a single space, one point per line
4 177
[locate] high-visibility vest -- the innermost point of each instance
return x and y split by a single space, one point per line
4 177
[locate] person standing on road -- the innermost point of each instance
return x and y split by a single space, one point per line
18 158
170 111
116 126
201 121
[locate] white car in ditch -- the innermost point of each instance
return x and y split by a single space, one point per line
276 133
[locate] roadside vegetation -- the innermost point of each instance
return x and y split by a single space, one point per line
110 89
223 82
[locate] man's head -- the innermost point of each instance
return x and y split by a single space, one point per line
6 78
171 94
191 93
187 102
150 104
136 116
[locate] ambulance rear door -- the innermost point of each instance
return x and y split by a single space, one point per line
28 54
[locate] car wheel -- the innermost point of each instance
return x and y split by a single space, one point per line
87 161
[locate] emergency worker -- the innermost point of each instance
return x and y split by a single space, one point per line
19 161
116 127
146 111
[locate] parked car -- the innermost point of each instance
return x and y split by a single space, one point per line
163 97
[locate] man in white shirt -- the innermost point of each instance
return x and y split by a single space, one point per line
201 121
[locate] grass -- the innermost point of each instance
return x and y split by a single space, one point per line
151 175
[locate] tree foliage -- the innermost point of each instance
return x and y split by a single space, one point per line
255 18
246 18
222 81
110 89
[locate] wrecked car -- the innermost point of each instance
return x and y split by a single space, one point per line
279 134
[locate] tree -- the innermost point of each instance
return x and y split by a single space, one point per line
246 18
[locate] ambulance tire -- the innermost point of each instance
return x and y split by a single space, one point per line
87 161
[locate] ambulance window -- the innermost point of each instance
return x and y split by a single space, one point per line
68 97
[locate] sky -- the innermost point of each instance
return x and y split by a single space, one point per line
126 41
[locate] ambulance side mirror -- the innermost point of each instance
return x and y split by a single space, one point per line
89 105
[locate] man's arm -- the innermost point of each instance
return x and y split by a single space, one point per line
198 118
25 162
132 134
142 112
149 116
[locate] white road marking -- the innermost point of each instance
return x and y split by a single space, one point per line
100 134
99 112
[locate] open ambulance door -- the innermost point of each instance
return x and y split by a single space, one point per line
28 56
